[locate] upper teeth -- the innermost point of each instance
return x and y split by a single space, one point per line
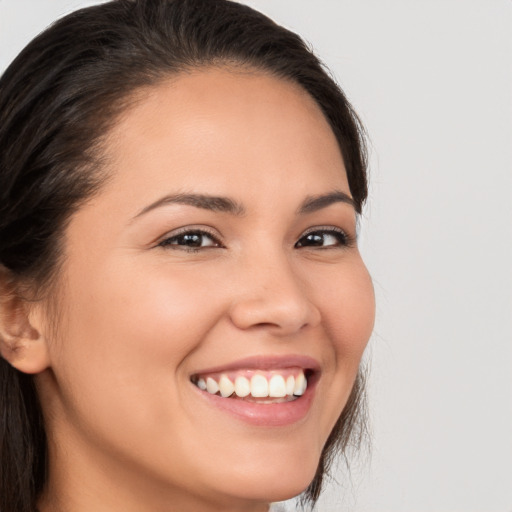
257 385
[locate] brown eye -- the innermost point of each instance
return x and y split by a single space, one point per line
323 238
191 240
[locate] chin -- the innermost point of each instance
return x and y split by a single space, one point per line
274 480
277 489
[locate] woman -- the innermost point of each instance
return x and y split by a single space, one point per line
184 307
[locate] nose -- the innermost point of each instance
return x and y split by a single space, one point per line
271 295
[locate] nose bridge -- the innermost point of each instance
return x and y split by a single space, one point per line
271 294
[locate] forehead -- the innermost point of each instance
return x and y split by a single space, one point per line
218 128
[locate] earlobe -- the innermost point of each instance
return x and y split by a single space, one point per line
22 343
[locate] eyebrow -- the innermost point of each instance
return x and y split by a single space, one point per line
203 201
314 203
226 205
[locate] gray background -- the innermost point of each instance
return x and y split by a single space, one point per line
432 80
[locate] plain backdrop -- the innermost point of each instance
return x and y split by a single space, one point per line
432 81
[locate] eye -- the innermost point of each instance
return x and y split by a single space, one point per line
323 238
191 240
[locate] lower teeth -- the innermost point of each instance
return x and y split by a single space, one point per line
268 400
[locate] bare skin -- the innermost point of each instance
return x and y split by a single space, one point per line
144 308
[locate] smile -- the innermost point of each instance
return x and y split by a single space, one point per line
275 386
262 391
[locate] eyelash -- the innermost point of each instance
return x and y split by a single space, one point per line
171 241
342 239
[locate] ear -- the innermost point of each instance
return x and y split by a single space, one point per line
22 342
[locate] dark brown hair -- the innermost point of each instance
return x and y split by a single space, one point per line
58 100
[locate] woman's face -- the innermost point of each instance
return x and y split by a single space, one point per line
222 249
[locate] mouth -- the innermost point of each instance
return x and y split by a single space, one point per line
255 385
261 391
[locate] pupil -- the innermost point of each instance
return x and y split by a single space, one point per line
192 240
315 239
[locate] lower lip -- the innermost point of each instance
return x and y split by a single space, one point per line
264 415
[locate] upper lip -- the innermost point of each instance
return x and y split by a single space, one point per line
265 362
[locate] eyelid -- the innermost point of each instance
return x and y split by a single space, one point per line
315 229
350 240
201 229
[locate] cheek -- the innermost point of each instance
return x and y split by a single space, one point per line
346 299
348 306
123 349
127 334
154 311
